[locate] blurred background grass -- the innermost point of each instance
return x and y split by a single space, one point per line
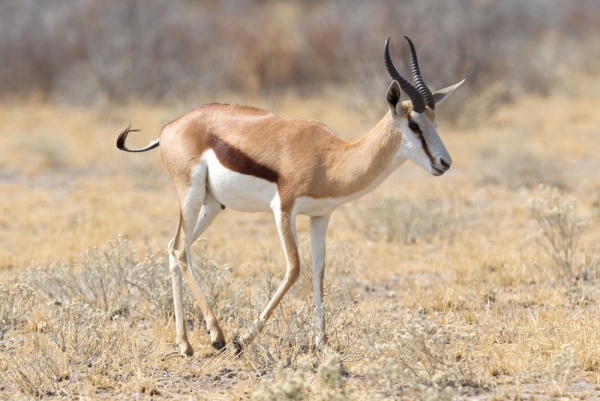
80 52
74 73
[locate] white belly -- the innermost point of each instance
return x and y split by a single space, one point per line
324 206
244 193
317 207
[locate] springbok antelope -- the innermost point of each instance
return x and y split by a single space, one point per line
251 160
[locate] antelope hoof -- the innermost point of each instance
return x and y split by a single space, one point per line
320 343
238 346
218 345
186 350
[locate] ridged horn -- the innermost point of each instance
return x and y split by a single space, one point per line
417 78
413 93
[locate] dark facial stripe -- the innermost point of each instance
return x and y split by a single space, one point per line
426 149
423 143
236 160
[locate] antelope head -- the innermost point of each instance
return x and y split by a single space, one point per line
415 119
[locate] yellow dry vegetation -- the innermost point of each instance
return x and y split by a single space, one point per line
438 287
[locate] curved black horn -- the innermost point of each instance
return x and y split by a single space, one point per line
413 93
417 78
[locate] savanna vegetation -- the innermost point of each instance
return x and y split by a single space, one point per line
480 284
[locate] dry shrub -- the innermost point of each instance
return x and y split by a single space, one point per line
97 338
561 229
302 383
73 344
375 349
564 369
97 277
288 385
420 358
152 281
14 306
112 280
213 278
109 278
434 358
403 220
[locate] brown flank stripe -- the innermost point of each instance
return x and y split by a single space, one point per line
236 160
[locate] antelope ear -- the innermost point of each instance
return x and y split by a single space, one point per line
393 98
444 93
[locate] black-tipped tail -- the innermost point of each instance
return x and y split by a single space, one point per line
123 136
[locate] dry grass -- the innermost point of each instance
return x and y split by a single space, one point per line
436 288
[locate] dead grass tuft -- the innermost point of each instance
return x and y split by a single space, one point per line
15 305
105 279
72 345
560 232
431 355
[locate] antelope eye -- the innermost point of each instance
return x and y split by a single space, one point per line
415 128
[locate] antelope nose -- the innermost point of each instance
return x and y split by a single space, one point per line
445 161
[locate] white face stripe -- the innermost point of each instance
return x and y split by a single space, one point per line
413 147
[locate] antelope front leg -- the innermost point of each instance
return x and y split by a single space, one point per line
318 229
286 226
